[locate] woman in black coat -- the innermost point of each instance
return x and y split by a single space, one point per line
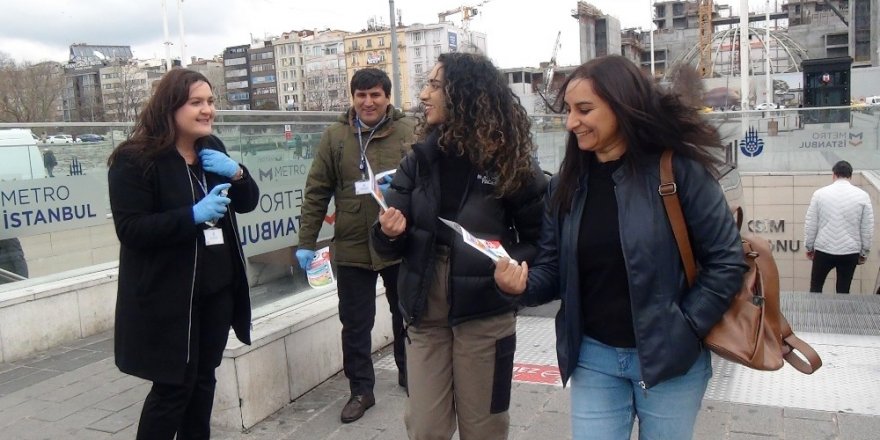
182 284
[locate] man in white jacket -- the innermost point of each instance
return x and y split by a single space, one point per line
838 229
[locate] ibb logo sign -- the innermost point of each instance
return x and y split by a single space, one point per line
752 145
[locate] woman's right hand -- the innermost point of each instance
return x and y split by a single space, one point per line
393 222
511 278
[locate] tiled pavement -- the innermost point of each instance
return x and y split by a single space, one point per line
75 392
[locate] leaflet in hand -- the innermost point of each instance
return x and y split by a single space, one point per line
374 185
320 272
490 248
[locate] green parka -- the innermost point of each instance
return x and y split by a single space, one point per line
334 172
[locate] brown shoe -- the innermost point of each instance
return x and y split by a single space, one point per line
356 407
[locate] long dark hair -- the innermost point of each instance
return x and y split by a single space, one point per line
485 120
649 119
155 133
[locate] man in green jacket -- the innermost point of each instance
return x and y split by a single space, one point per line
371 133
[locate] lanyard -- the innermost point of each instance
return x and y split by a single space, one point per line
203 185
363 146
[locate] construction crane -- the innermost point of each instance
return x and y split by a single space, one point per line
467 13
705 42
548 74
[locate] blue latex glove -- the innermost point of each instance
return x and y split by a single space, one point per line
213 205
218 163
384 183
305 257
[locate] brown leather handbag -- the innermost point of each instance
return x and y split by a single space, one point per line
753 332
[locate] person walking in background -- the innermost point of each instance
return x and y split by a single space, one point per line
370 133
473 164
838 229
12 259
629 329
174 193
49 162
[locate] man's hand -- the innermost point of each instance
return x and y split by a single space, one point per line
304 257
810 255
393 222
862 259
511 278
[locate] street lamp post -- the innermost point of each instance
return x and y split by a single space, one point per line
651 29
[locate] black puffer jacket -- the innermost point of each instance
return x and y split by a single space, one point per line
670 318
415 191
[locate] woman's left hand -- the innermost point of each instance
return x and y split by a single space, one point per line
218 163
510 277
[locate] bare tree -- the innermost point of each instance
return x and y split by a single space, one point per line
29 92
326 89
688 84
129 94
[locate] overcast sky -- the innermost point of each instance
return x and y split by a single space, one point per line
520 33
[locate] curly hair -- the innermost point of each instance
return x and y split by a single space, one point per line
650 120
485 121
154 132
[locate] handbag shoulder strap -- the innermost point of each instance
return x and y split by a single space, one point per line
669 193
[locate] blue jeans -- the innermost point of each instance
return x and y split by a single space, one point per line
606 395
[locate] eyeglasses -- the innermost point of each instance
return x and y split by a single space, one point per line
434 84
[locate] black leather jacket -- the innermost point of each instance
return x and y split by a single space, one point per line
415 191
669 319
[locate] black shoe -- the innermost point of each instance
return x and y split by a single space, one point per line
356 407
401 379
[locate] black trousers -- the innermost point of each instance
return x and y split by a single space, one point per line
823 263
357 312
185 408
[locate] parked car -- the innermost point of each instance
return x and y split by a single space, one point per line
91 137
767 106
60 139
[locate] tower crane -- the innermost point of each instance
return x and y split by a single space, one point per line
548 74
467 13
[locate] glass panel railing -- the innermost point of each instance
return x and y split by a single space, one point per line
52 225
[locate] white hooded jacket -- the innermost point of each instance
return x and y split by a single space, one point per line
840 220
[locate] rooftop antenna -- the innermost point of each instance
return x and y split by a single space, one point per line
167 40
180 27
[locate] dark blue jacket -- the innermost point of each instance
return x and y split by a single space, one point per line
415 190
669 319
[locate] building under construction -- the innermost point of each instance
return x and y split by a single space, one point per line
705 34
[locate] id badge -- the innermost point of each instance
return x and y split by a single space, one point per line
362 187
213 236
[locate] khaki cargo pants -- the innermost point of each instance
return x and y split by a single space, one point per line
462 372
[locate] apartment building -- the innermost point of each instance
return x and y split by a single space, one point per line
235 63
290 69
325 85
372 48
263 78
424 43
125 88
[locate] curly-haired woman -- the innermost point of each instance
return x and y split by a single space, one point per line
473 165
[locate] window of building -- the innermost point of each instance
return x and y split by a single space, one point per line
234 61
369 42
417 37
381 41
417 51
233 73
418 68
354 45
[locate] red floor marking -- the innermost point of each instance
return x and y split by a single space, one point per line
545 374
